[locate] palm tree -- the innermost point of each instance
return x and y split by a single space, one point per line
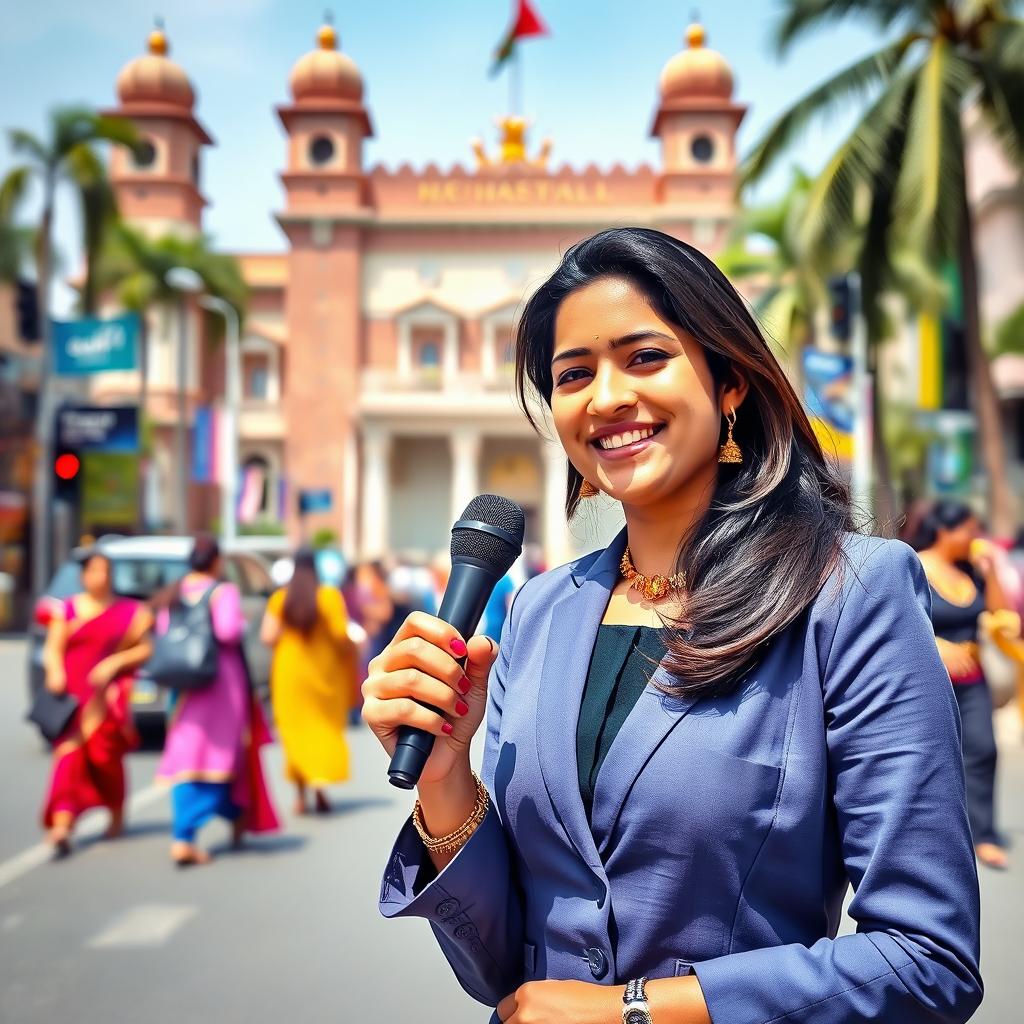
66 155
898 180
134 266
795 282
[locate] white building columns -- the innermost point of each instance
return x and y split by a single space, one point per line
557 543
465 444
376 492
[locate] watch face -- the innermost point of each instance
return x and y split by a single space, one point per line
637 1017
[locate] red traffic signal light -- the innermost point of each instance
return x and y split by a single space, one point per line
67 465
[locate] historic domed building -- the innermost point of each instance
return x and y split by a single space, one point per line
376 352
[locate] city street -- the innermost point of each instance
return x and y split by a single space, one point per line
287 930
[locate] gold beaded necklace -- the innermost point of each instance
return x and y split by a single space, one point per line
653 588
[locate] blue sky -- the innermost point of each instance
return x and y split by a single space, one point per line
590 86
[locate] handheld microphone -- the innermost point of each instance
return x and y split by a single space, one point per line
486 540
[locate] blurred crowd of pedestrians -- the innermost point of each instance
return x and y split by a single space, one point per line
323 623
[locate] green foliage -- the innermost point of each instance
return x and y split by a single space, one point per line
261 528
135 266
895 186
324 537
767 246
1009 336
68 154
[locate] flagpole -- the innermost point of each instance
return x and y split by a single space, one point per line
515 84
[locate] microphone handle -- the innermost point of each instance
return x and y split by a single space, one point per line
465 597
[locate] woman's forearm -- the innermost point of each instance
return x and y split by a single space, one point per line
129 658
446 805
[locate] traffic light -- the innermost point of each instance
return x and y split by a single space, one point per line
841 313
26 308
67 471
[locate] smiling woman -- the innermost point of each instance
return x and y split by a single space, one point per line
700 736
644 352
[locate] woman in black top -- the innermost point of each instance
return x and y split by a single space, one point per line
961 574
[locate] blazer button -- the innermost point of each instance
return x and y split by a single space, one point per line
598 962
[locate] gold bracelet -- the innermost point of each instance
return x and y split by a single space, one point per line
452 842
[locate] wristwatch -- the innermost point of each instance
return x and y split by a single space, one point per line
635 1009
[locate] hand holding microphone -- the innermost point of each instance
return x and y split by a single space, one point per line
421 666
417 690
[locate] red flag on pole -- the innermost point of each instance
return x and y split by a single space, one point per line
527 23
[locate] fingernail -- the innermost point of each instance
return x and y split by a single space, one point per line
457 646
461 707
465 685
446 728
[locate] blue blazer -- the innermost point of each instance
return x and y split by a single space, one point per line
724 830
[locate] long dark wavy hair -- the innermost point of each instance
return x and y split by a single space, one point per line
772 535
300 608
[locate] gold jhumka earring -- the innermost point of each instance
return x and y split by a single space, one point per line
588 490
730 452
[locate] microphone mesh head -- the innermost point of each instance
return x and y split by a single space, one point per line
485 547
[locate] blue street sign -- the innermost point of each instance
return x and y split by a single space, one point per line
314 501
89 345
97 428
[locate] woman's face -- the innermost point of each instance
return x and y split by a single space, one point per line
633 399
96 578
957 540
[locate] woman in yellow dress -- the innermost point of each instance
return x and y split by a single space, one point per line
311 679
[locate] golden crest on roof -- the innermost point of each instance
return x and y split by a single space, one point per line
512 143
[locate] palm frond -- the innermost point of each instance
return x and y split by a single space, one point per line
13 189
799 18
1000 67
27 144
830 216
1010 334
850 84
737 261
928 194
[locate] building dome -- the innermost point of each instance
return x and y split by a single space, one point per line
696 72
325 73
155 78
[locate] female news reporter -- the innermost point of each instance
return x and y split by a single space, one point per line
696 824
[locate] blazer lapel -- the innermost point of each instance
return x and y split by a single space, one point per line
575 619
653 717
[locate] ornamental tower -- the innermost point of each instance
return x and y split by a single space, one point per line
326 207
696 121
158 186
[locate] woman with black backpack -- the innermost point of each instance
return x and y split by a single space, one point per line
211 756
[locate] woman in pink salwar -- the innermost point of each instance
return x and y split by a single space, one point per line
211 756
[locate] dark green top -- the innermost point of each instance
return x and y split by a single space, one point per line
624 659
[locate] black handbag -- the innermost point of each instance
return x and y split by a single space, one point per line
185 656
52 712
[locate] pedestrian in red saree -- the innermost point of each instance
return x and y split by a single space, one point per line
94 644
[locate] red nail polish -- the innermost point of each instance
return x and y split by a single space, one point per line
465 685
446 728
461 707
458 647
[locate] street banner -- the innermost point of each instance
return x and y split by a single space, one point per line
204 446
90 345
110 489
829 398
113 428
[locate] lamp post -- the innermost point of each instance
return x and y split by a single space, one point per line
185 282
232 403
